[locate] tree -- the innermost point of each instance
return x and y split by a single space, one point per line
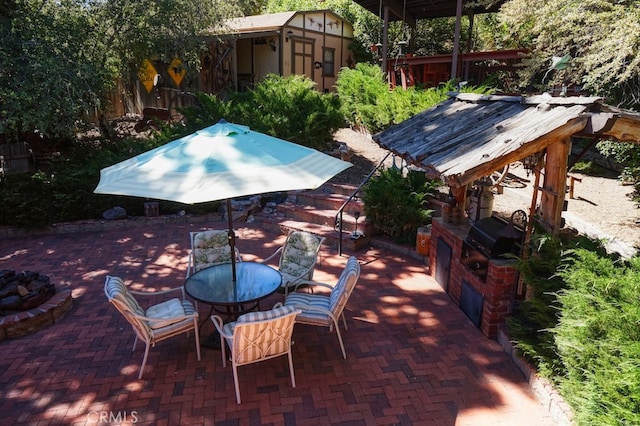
601 37
50 73
136 30
59 59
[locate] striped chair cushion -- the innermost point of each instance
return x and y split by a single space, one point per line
174 328
253 341
228 328
343 288
117 289
265 315
304 301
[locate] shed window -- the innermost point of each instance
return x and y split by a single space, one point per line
328 62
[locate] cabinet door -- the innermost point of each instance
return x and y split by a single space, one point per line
443 263
471 303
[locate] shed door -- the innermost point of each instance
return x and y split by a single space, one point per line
303 57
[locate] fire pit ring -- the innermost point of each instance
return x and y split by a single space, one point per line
22 323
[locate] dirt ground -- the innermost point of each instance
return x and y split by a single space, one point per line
601 207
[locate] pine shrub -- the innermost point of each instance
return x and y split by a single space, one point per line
397 203
598 338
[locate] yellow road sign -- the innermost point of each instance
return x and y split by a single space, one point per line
176 71
147 75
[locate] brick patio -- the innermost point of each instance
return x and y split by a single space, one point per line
412 356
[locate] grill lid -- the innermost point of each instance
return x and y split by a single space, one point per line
486 236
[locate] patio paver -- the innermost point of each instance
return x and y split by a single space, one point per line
412 356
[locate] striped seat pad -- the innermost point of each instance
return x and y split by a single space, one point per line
266 315
228 329
305 301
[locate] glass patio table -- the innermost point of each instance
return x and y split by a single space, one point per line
214 286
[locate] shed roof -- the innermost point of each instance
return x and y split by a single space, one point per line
259 23
468 136
267 23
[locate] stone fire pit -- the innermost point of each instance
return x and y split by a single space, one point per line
29 302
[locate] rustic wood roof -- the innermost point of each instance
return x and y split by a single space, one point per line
469 136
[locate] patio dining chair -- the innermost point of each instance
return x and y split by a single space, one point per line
298 258
326 309
159 322
208 248
257 336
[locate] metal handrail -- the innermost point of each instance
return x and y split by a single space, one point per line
338 219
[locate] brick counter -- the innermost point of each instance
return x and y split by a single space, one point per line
497 292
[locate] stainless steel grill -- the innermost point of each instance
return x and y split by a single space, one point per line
490 238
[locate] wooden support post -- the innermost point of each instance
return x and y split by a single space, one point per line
555 184
529 229
403 77
572 182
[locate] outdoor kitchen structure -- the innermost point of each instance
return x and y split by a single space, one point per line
463 141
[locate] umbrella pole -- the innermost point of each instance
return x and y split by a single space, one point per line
232 241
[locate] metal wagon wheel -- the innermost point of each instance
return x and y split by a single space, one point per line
497 177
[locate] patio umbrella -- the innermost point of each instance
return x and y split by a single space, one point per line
219 162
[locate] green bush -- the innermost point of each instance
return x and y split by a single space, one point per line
580 326
533 318
360 91
366 101
285 107
288 108
585 167
65 192
397 204
629 155
598 338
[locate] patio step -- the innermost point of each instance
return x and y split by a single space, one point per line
330 201
337 188
315 211
325 217
279 224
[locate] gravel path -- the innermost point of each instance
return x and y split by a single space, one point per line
601 206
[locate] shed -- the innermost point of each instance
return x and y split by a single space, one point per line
468 136
311 43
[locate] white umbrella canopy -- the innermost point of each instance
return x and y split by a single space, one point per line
219 162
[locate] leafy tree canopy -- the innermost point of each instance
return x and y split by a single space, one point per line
161 29
602 38
50 67
59 59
